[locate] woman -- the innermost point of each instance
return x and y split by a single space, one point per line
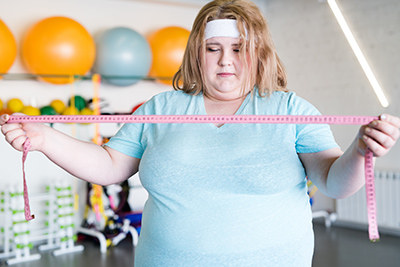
222 195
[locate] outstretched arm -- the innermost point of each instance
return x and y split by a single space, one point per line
84 160
338 174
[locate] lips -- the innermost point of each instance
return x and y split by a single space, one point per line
225 74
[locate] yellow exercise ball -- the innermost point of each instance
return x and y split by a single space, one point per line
58 46
8 48
86 111
168 46
15 105
31 111
71 111
58 106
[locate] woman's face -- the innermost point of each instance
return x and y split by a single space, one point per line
223 70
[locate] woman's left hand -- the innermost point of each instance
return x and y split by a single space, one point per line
379 135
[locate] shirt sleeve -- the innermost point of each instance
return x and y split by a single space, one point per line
310 138
128 139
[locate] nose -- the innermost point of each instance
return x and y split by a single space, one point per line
226 58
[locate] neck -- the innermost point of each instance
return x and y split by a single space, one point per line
216 106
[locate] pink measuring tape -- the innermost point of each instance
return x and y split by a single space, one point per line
272 119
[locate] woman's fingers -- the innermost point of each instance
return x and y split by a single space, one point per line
381 135
3 119
15 135
395 121
13 132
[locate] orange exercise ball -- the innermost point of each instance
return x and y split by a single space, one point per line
8 48
58 46
168 46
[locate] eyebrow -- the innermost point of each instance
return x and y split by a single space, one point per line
216 43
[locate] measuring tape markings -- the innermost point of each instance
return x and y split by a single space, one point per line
277 119
27 210
371 197
267 119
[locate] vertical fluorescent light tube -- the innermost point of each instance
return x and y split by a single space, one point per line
357 51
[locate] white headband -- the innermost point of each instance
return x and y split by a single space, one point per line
222 28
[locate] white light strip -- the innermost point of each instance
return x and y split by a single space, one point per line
357 51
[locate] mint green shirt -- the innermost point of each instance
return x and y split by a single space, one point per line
229 196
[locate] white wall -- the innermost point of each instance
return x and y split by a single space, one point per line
323 69
319 61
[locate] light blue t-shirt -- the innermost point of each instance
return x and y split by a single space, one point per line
229 196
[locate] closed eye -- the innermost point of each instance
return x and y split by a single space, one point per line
236 48
210 49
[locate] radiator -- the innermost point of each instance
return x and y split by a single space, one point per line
353 211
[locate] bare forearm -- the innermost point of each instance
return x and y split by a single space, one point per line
346 175
339 175
84 160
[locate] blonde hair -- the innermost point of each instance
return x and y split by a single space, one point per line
266 69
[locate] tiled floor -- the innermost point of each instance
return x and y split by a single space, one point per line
335 247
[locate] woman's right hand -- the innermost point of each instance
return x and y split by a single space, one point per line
17 133
82 159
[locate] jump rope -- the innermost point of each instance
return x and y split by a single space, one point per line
243 119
